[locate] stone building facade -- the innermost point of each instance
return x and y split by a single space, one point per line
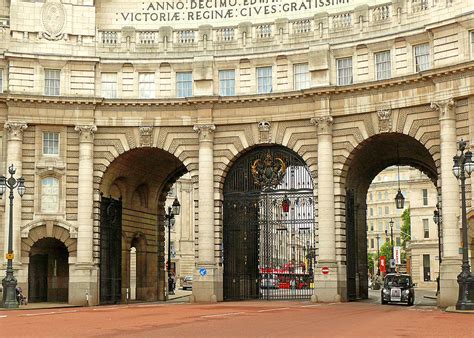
422 251
105 104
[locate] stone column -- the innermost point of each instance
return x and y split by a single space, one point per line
326 285
205 286
84 278
450 206
14 156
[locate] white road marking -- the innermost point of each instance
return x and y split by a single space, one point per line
38 314
110 308
278 309
223 314
312 305
3 316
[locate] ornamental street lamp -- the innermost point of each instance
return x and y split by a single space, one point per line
172 211
463 166
437 219
9 282
391 245
399 199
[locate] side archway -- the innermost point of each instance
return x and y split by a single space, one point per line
364 163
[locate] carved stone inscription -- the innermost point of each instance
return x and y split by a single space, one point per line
210 10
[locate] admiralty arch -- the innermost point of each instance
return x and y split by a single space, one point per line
281 112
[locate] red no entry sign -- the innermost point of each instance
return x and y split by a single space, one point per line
325 270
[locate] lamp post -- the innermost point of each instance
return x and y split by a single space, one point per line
9 282
378 254
172 211
463 165
437 219
391 245
310 256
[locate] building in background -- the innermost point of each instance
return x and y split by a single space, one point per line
420 197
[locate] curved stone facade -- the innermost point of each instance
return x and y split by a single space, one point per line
90 97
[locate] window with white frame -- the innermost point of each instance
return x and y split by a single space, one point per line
471 33
425 197
344 71
49 194
227 82
426 228
146 86
264 80
301 75
383 65
52 81
109 85
422 57
184 84
50 143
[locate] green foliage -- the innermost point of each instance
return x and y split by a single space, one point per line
371 259
386 250
406 227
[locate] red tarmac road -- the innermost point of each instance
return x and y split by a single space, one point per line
237 319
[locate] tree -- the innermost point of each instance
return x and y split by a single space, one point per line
406 228
371 258
386 250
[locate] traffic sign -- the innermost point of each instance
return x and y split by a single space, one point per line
203 272
9 255
325 270
392 263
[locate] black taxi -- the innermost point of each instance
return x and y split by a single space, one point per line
398 288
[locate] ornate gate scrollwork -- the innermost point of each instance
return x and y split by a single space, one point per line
269 230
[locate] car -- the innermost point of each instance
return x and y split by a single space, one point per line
398 288
187 283
269 283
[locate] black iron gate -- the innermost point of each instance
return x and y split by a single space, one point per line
269 229
351 242
110 250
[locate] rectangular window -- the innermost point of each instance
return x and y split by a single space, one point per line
379 196
422 57
472 44
425 196
387 210
50 143
146 85
383 65
301 75
227 82
264 80
52 82
1 80
49 194
184 84
109 85
371 197
397 240
344 71
372 243
426 268
371 226
426 228
380 226
371 211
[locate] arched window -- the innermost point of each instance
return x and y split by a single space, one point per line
49 194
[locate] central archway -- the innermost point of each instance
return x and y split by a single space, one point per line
269 234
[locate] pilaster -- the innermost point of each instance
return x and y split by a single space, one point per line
14 156
451 260
83 280
207 287
326 285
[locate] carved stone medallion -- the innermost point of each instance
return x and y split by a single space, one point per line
53 18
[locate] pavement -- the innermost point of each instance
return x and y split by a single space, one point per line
238 319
